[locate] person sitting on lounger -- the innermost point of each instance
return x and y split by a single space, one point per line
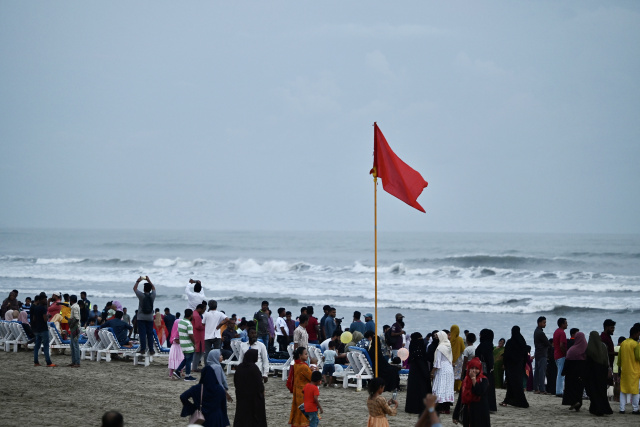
120 329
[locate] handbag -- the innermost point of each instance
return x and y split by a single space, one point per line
197 417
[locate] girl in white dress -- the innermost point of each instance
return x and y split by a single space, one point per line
442 374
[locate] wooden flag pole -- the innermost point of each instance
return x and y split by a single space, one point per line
375 228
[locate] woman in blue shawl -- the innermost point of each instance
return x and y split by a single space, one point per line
214 403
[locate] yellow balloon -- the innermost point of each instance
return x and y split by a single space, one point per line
346 337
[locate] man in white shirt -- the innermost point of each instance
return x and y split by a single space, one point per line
282 330
195 296
300 335
263 356
213 321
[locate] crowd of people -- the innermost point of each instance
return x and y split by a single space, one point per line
443 367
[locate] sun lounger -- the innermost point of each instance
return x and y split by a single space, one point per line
19 336
55 338
362 367
234 359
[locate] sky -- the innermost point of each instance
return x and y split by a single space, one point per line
522 116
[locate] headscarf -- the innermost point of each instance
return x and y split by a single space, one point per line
356 337
516 348
8 315
251 356
431 350
417 348
596 350
578 349
484 351
22 317
213 360
444 346
467 384
118 305
174 333
457 343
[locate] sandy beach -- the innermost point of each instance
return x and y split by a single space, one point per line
146 397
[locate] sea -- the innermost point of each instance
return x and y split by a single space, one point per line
474 280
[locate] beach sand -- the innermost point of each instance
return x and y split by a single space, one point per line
146 397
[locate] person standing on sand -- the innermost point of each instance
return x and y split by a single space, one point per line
560 352
300 335
145 313
484 352
609 328
313 328
262 322
457 349
498 363
629 364
597 376
378 406
212 321
185 334
198 337
250 400
574 373
263 356
169 319
541 343
74 331
442 373
329 324
515 357
301 373
282 330
40 329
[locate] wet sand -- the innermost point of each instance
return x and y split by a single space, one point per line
42 396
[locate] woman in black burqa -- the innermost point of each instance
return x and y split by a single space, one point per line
390 373
574 373
484 352
214 400
250 402
515 358
597 374
419 381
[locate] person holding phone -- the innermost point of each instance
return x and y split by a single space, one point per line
378 406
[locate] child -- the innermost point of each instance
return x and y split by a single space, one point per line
329 367
311 404
378 406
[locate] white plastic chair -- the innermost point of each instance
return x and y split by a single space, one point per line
234 359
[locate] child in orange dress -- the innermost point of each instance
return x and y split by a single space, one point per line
378 406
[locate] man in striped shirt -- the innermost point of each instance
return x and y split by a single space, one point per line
187 344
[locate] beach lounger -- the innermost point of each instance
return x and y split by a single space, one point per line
363 367
404 374
5 334
118 349
283 365
19 336
234 359
55 338
315 352
287 366
90 348
160 350
107 347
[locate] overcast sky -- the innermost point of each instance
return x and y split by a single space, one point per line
523 116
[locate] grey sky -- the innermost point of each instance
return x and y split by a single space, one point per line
522 116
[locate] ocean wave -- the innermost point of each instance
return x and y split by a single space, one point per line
46 261
180 263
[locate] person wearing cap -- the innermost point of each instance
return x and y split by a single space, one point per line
609 327
397 331
369 324
357 324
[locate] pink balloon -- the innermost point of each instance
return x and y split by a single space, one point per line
403 354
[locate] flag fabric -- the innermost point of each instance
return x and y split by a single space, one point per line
398 178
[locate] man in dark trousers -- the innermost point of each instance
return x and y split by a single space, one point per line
541 343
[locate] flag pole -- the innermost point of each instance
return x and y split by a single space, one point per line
375 233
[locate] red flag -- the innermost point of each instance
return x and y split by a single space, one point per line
398 178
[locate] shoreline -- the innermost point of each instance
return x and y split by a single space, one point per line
146 397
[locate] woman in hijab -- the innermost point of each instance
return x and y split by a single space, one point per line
515 357
574 371
472 407
213 360
213 402
431 349
356 337
419 381
390 374
23 318
250 406
484 352
498 364
301 377
457 347
442 374
597 375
